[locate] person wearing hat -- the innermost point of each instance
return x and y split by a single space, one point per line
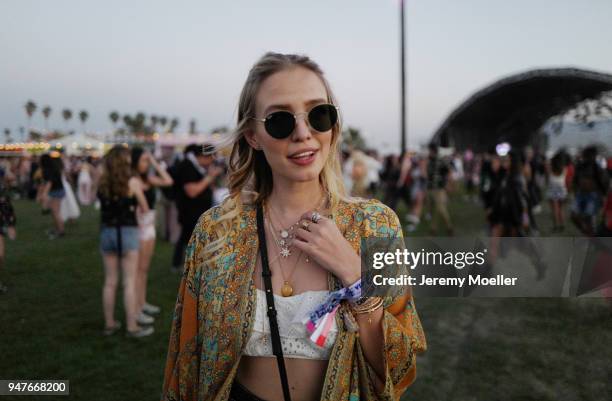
194 179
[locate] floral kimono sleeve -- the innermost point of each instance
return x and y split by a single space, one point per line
402 330
184 350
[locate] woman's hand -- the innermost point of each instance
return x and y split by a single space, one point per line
325 244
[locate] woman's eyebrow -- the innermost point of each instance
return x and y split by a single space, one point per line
287 106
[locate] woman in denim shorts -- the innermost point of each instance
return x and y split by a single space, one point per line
53 191
120 194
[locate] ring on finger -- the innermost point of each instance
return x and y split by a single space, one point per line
316 217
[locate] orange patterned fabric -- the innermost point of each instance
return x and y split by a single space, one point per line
215 311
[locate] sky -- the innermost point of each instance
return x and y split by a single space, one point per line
188 59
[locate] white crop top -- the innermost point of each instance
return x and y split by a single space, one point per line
293 334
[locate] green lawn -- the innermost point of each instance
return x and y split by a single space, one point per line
51 318
479 349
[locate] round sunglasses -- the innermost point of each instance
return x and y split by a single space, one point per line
280 124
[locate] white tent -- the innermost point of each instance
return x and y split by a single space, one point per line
78 144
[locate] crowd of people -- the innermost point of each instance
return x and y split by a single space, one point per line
510 184
511 187
125 185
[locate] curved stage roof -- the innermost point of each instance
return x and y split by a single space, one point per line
513 109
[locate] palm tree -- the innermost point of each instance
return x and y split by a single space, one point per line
83 116
67 115
173 124
352 138
139 122
163 121
128 121
7 135
192 126
114 117
30 108
154 120
46 111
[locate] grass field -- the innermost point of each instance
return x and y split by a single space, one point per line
479 349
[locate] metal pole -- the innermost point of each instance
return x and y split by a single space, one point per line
403 73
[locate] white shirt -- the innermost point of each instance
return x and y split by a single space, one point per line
293 333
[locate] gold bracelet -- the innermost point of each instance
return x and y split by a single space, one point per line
378 303
370 305
363 301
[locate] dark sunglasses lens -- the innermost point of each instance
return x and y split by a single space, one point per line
323 117
280 124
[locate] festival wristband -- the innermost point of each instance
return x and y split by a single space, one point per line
319 322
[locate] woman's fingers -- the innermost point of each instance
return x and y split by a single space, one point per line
305 235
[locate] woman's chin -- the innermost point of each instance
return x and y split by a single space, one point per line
306 175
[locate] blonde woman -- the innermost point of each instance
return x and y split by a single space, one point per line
287 213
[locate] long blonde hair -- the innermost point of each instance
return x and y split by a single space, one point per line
249 172
117 172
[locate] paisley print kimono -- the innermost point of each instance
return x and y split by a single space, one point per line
214 314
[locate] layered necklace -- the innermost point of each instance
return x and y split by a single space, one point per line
286 288
284 237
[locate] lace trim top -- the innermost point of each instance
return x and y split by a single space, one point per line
293 334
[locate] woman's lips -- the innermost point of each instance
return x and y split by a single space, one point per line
304 158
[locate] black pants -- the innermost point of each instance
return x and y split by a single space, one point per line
240 393
178 257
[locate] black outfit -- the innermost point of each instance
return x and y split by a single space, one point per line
7 213
590 177
437 173
54 176
151 197
118 211
510 202
490 181
389 177
189 209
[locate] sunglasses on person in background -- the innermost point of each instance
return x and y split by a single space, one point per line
280 124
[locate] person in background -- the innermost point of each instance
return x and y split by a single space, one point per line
7 223
374 169
399 181
557 191
141 162
53 191
510 213
170 227
418 191
360 185
590 184
84 183
438 175
491 177
195 176
120 193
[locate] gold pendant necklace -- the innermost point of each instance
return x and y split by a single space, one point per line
286 288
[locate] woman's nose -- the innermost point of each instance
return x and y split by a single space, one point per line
302 130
